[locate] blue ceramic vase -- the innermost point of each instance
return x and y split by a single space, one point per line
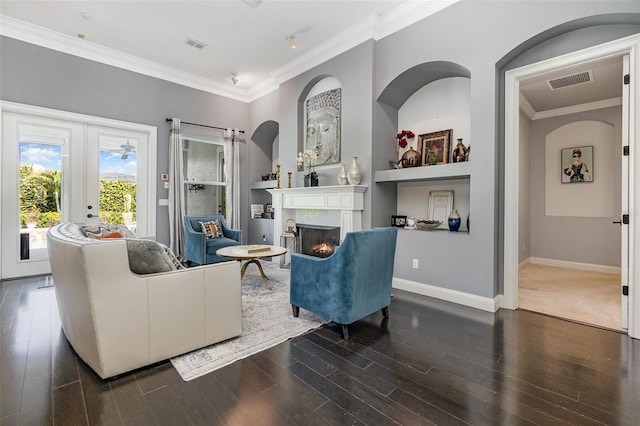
454 221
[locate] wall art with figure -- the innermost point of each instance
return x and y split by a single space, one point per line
323 126
577 164
435 147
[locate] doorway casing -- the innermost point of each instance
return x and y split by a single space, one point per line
625 46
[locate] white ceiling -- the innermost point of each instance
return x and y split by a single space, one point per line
149 37
250 41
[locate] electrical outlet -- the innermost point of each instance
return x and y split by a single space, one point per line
416 264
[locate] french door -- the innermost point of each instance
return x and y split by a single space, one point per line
60 167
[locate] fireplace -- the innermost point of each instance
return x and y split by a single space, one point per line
318 240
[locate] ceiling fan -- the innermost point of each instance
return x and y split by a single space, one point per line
126 150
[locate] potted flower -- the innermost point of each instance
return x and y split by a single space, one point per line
403 140
307 160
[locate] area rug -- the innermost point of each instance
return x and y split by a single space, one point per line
266 320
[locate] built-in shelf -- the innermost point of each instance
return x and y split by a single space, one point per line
265 184
438 172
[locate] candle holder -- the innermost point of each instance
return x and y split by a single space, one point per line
277 176
289 180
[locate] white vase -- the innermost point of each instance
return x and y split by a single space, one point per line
354 177
342 175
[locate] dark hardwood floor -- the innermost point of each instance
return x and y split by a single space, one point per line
431 363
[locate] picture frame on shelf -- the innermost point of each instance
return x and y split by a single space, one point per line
437 143
440 206
398 221
577 164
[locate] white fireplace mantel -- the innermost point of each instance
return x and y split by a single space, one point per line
347 199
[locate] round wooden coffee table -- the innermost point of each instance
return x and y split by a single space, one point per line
239 253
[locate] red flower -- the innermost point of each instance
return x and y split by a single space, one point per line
403 136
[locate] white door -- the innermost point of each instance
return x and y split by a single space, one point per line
36 152
624 227
55 170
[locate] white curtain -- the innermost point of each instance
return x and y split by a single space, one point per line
232 166
176 191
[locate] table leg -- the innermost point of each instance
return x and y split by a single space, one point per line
257 262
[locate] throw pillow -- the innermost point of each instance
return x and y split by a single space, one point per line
211 229
103 230
148 257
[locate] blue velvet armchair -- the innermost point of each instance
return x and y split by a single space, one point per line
202 250
353 282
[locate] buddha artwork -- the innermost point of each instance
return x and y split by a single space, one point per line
323 126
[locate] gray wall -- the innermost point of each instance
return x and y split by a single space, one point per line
477 35
354 70
38 76
576 239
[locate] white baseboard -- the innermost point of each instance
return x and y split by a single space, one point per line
574 265
524 263
455 296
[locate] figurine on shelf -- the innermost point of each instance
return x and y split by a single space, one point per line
459 152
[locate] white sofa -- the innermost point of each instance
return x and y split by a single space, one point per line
118 321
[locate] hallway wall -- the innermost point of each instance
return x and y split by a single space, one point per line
592 240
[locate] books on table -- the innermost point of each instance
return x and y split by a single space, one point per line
251 249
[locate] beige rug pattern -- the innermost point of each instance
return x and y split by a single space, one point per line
584 296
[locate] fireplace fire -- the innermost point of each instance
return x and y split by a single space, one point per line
318 240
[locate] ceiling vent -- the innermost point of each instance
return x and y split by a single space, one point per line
570 80
195 43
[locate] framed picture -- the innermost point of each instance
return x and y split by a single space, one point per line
577 164
269 208
435 147
398 221
440 206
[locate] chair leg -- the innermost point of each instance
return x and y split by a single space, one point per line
345 332
385 312
296 310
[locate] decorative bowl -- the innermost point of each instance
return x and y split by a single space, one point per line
427 225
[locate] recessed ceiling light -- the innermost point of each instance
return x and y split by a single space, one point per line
86 15
234 79
292 41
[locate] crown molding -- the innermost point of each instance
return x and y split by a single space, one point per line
373 27
24 31
526 107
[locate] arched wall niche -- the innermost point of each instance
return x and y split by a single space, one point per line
410 81
265 134
326 156
303 96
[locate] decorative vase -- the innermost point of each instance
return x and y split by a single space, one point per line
309 180
411 158
459 152
342 175
354 175
454 221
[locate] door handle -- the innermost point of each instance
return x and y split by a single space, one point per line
89 215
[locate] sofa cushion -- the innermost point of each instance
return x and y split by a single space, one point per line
217 243
148 257
211 229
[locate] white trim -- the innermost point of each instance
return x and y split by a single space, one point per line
373 27
574 109
455 296
526 107
627 45
574 265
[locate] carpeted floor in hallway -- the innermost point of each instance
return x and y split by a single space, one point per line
588 297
